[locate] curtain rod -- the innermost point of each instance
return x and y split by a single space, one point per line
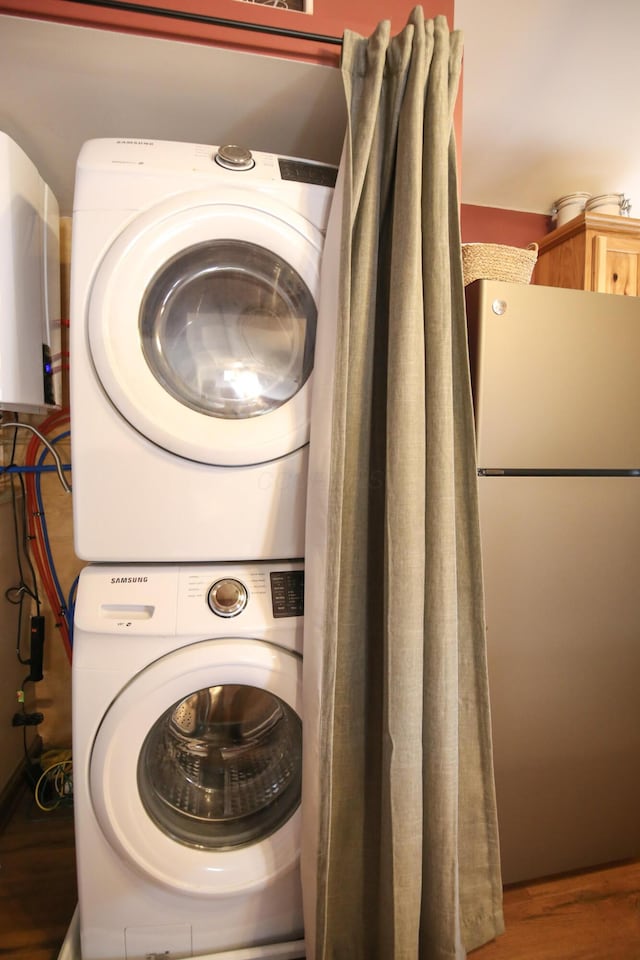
206 19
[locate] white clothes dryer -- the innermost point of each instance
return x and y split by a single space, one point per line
187 747
194 288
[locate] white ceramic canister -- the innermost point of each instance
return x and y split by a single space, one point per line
568 207
615 203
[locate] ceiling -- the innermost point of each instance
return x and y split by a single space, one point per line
549 98
550 104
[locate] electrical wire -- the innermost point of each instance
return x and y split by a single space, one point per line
45 532
38 535
55 785
54 453
22 591
36 542
71 606
15 594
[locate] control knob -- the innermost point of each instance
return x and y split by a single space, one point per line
234 157
227 598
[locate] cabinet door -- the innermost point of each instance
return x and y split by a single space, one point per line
615 265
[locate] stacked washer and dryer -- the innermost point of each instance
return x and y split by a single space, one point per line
195 278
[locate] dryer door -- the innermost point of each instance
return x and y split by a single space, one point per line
202 324
195 771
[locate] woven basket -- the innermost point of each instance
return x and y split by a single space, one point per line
494 261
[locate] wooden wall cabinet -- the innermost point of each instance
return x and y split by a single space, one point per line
594 251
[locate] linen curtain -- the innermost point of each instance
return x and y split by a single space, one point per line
400 855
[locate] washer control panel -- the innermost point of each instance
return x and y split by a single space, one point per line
246 598
263 600
228 597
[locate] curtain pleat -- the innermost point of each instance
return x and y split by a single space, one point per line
400 855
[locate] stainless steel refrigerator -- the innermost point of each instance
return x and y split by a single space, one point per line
556 378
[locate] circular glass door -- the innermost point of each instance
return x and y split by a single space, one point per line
222 767
195 771
228 328
202 325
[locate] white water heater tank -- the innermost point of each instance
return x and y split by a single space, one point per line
30 324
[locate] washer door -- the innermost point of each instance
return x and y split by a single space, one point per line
202 323
195 771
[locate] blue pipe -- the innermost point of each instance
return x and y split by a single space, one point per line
45 468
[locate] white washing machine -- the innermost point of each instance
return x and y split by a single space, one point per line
187 748
194 288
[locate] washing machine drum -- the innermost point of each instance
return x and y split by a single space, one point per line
222 767
202 322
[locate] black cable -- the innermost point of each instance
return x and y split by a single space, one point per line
25 529
22 548
18 594
25 545
21 659
12 458
12 463
206 19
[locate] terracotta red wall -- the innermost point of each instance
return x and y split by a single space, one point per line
330 18
492 225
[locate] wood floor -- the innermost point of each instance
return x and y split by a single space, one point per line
588 916
593 915
37 880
